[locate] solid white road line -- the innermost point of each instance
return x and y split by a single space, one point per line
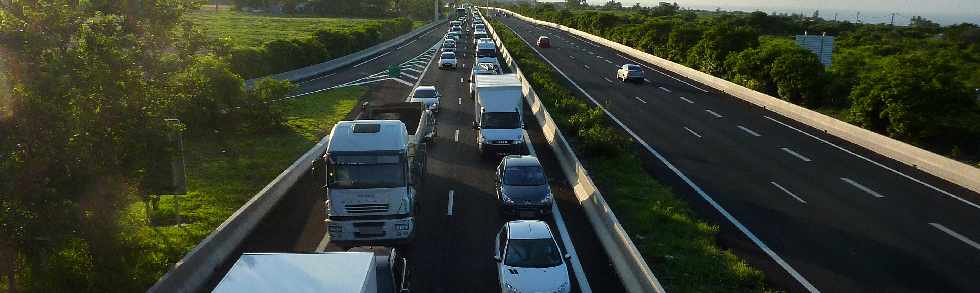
406 44
664 89
409 75
607 79
318 78
641 100
758 242
449 210
586 66
749 131
372 59
456 137
426 68
661 72
861 187
955 235
879 164
610 62
692 132
591 53
713 113
795 154
402 81
787 191
687 100
583 282
459 101
412 69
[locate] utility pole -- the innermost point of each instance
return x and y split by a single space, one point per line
835 16
858 17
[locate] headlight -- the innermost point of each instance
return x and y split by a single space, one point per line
546 199
484 140
511 289
516 142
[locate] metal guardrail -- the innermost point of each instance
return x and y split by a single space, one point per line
932 163
630 266
193 271
316 69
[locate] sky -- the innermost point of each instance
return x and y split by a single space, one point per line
942 11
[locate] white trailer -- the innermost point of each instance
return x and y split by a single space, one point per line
497 114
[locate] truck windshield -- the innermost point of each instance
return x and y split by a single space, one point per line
532 253
501 120
357 172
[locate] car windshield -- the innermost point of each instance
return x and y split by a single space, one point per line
357 172
524 176
448 55
633 67
501 120
532 253
425 93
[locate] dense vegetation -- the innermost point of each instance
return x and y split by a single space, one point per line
415 9
85 150
246 29
915 83
680 247
281 55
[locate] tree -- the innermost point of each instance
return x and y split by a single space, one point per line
798 76
612 5
665 9
573 4
915 98
721 39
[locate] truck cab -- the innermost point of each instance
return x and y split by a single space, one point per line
498 114
373 166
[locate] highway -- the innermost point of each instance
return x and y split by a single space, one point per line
815 213
458 219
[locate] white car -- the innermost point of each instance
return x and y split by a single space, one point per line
529 260
427 95
447 60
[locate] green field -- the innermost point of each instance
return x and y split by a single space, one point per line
225 171
251 29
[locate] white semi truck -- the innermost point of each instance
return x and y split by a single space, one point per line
374 165
497 114
359 270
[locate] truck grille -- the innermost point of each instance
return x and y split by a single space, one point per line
365 208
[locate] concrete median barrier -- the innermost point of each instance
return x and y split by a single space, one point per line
193 272
630 266
951 170
317 69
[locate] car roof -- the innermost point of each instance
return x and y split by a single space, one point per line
543 37
426 87
528 229
517 160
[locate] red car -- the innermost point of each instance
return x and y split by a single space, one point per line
544 42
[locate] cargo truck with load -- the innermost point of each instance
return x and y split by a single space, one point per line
374 166
497 114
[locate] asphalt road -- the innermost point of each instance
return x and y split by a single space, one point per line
843 218
452 248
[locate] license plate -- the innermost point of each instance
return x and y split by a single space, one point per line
371 231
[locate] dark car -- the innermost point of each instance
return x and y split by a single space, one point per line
544 42
522 187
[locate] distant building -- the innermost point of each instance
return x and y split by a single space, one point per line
822 45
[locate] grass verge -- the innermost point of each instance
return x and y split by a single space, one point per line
224 171
680 247
252 30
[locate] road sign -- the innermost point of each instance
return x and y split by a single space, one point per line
394 71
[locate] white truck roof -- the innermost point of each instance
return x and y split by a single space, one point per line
368 135
341 272
499 93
